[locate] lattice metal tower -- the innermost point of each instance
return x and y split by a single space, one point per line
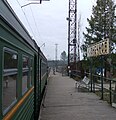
72 32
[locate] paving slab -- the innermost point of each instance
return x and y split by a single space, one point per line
64 102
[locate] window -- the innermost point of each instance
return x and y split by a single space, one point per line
25 73
43 68
9 78
31 69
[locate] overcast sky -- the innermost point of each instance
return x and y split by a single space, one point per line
47 23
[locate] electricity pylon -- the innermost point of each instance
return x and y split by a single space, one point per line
72 32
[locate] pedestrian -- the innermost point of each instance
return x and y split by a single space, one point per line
53 71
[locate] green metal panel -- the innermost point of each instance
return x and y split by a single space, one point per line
11 37
1 67
26 110
35 86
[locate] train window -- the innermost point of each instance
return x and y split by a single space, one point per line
31 69
10 72
25 73
43 69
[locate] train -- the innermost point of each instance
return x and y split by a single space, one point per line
23 69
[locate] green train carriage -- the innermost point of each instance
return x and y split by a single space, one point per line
23 69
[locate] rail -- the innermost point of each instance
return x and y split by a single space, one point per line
107 88
102 86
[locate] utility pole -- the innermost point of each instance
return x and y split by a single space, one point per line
56 53
72 33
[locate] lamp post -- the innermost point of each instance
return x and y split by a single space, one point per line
33 3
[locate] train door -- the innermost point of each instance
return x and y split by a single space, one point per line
36 99
37 85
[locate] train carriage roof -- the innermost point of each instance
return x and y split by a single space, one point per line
7 13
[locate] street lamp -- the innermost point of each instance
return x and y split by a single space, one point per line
68 19
40 1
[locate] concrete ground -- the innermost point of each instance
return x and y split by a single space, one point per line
64 102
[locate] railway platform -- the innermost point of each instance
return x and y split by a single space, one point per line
63 102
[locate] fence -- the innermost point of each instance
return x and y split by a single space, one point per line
102 86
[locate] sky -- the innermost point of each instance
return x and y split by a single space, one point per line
47 22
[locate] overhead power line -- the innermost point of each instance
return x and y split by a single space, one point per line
26 18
